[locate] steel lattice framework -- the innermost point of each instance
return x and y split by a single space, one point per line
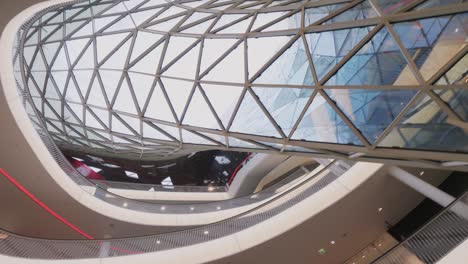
375 80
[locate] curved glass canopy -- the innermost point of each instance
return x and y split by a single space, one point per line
376 80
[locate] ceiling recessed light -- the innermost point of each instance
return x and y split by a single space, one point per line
125 204
158 242
332 242
206 232
322 251
380 209
421 173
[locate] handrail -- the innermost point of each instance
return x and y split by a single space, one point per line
395 254
18 246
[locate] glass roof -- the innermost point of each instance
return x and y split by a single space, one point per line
132 76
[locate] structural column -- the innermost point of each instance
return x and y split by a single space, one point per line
429 191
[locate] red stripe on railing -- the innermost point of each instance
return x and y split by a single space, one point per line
234 173
56 215
42 205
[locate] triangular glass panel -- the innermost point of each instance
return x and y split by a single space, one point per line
457 74
140 17
103 134
379 62
119 127
60 62
370 110
312 15
72 94
107 43
250 119
284 104
176 46
52 128
87 59
124 100
189 137
84 15
167 25
195 18
237 143
436 3
40 79
152 133
39 63
213 49
237 28
321 123
457 99
360 11
116 9
292 67
293 21
170 12
125 23
95 95
50 91
230 69
143 42
328 48
432 42
75 47
227 19
158 108
219 138
264 18
173 131
32 88
70 116
50 50
149 63
83 78
133 122
199 28
94 136
186 66
178 93
425 126
98 8
92 121
102 22
258 55
72 27
85 30
199 113
142 85
70 12
60 78
111 80
32 39
119 58
52 109
72 133
393 6
56 35
28 54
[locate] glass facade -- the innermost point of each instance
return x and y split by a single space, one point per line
160 78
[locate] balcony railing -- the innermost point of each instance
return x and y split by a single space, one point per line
432 241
